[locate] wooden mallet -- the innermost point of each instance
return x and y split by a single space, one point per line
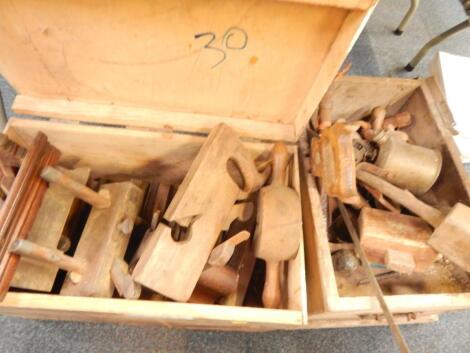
279 225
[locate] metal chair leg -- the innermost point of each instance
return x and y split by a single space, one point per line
409 15
3 114
433 42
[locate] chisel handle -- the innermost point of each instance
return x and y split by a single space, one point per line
280 158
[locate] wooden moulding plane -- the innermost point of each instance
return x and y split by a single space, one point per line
47 231
388 237
203 203
96 264
451 236
11 156
105 239
22 204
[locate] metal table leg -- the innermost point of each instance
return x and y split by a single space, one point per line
433 42
411 11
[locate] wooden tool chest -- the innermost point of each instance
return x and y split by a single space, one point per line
132 89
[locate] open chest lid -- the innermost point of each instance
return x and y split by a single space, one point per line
259 66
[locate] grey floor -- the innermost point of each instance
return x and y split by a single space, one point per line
378 53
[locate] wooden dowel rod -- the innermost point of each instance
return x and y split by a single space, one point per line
340 246
33 251
222 253
431 215
52 175
123 281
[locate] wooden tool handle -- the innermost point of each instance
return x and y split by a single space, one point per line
325 111
36 252
379 197
238 238
378 118
373 169
431 215
222 253
123 281
252 178
399 120
53 175
272 286
280 158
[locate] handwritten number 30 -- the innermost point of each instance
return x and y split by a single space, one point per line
234 38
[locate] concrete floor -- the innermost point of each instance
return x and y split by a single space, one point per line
377 53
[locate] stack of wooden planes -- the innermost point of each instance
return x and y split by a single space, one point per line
65 231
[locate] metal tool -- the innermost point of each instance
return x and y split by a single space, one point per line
3 115
400 341
411 167
333 161
345 261
379 277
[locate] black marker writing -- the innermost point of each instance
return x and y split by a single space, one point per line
234 38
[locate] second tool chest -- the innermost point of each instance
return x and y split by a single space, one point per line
445 287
